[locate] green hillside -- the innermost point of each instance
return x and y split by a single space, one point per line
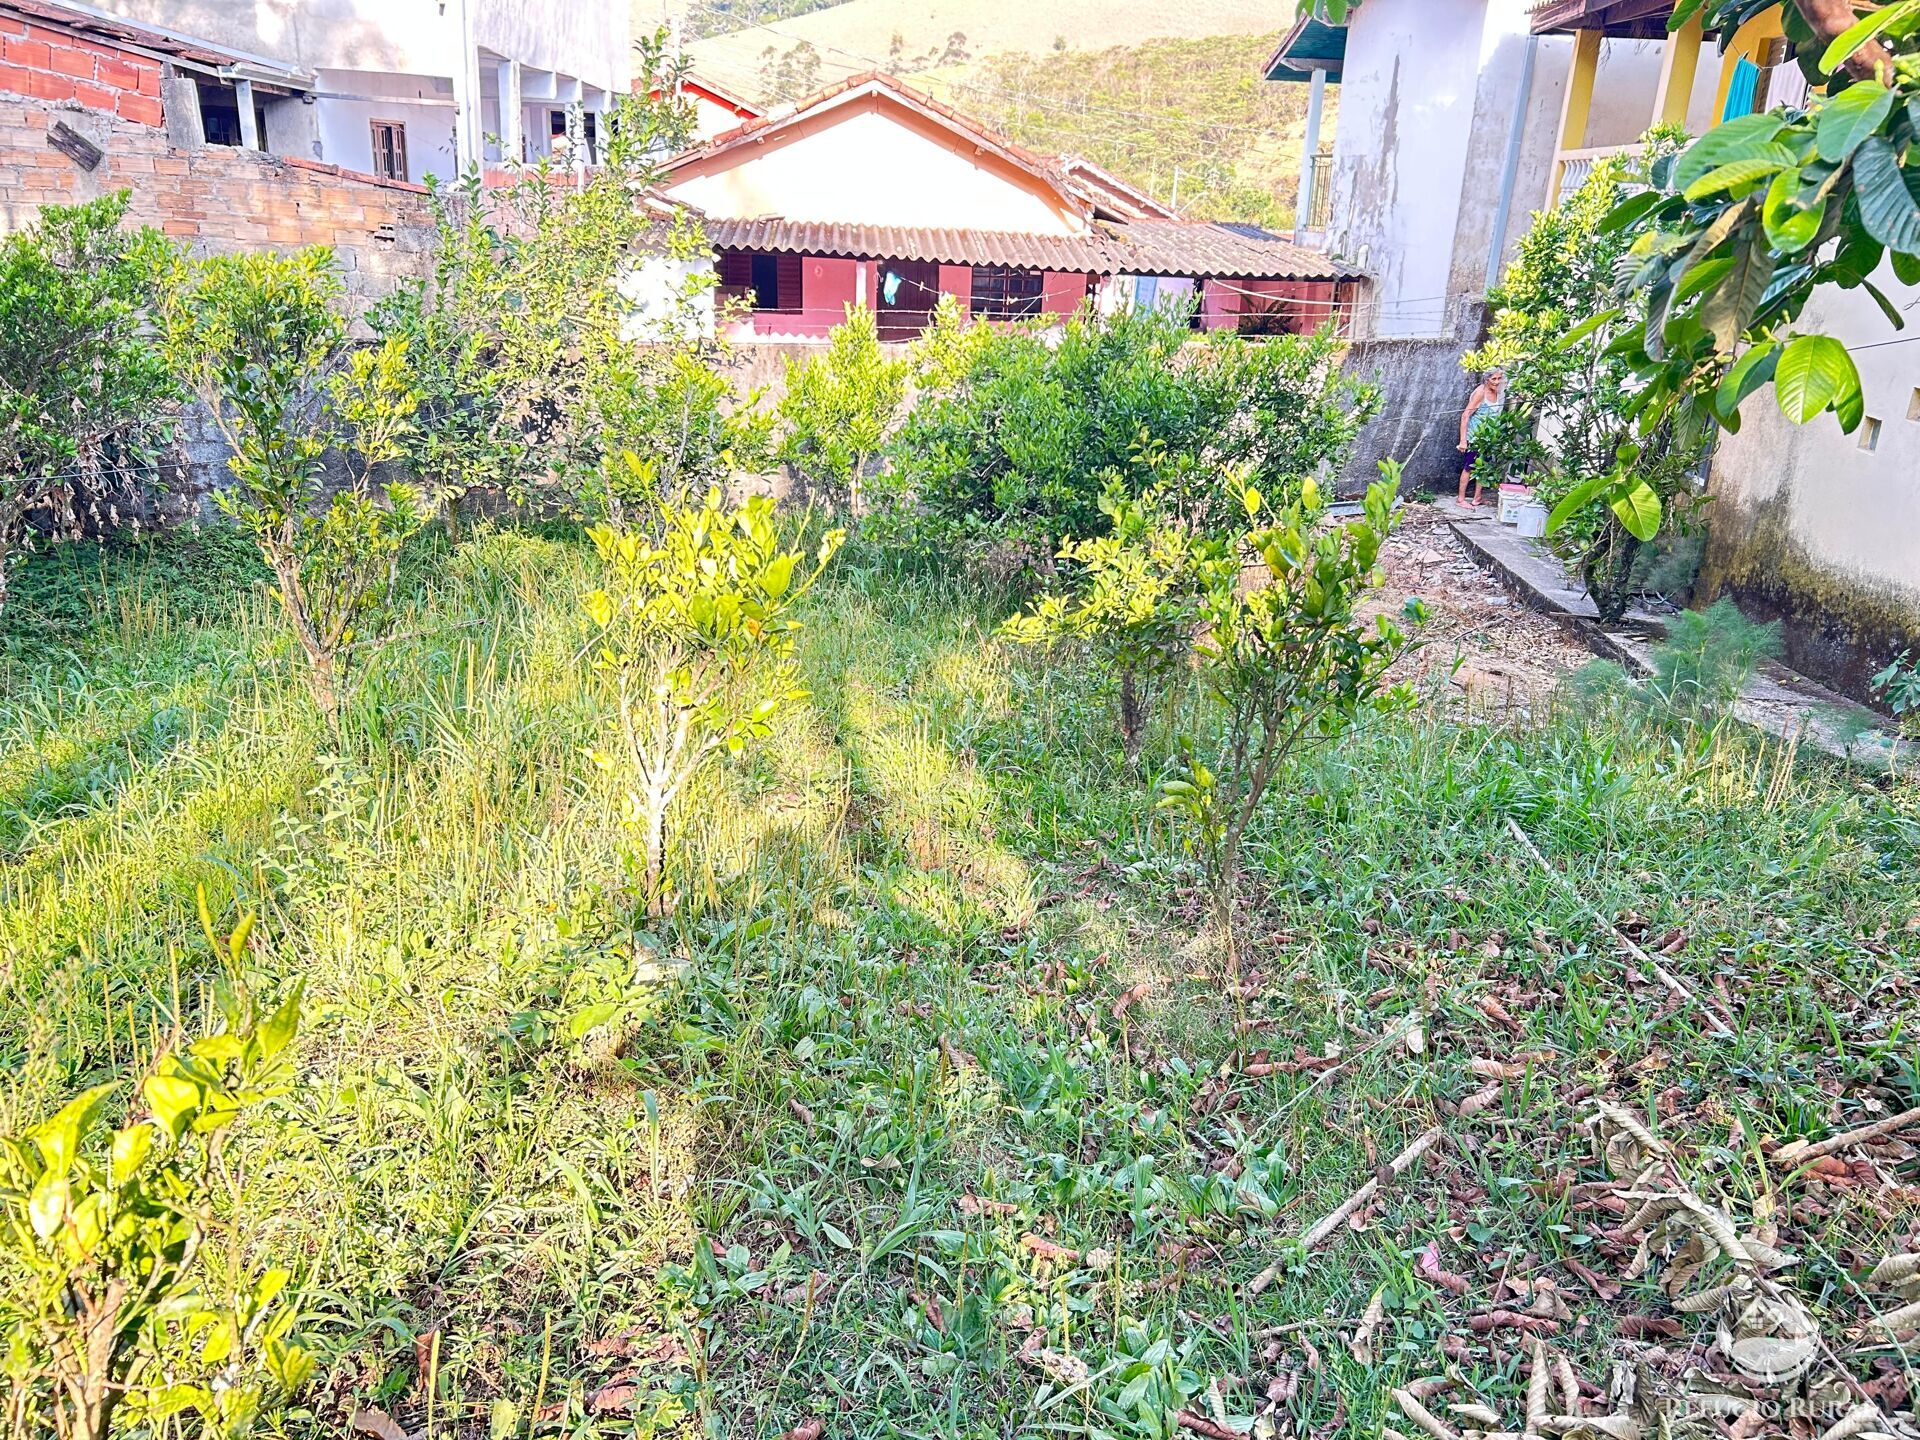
1195 114
723 17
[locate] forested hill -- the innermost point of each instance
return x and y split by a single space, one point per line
1190 121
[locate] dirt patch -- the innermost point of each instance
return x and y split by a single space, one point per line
1481 647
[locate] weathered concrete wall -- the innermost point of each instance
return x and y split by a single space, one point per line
1422 390
1810 527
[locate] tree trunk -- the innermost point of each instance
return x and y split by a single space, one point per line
656 843
1132 717
1830 19
450 517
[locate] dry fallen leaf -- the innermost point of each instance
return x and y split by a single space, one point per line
377 1423
1362 1346
805 1430
1431 1269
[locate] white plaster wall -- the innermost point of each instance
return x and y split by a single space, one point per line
585 38
346 136
1852 512
1407 95
873 163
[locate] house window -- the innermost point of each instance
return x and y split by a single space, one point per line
220 116
390 149
1002 293
771 282
590 136
1870 433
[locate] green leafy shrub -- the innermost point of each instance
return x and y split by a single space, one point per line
87 400
1699 670
1898 687
697 631
1013 456
1571 420
1287 658
531 373
260 338
1136 601
838 408
111 1312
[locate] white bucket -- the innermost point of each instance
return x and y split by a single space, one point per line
1531 520
1512 497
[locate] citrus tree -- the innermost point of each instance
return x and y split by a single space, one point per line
1288 656
839 407
696 630
109 1309
262 341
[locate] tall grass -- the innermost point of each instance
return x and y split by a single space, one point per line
904 925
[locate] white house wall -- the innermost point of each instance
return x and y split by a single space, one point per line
585 38
1808 526
868 167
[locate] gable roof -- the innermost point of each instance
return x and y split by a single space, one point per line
707 90
1111 197
878 84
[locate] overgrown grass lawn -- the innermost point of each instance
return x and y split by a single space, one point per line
933 1114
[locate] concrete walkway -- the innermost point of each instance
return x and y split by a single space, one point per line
1776 700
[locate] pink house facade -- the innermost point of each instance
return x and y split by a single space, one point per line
871 194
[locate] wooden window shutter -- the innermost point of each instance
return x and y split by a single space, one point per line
789 284
736 269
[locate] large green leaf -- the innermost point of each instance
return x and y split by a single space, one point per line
1889 209
1576 500
1639 510
1746 375
1815 374
1850 40
1628 211
1791 226
1742 172
1850 118
1741 139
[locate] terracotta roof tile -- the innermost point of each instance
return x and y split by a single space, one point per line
1142 247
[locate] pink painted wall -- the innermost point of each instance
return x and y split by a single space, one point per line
957 280
1312 301
1064 293
827 287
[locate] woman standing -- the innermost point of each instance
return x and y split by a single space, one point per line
1483 406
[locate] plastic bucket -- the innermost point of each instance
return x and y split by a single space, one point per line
1531 520
1512 497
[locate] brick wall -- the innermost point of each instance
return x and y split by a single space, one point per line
50 64
217 197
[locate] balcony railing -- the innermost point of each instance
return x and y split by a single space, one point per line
1572 167
1319 209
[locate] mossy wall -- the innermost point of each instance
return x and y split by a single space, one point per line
1840 626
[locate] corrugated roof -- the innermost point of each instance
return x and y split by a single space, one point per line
1142 247
1203 248
158 41
1087 253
